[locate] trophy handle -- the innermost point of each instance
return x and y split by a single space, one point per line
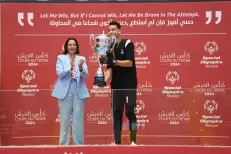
92 38
113 42
113 39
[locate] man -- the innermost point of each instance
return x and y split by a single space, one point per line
121 70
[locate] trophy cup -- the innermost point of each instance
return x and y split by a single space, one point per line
102 44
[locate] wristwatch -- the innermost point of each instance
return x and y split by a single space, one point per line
114 62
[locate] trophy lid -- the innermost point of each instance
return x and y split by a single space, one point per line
102 36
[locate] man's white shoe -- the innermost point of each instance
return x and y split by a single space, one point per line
133 143
114 143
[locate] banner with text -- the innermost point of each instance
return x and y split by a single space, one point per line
182 61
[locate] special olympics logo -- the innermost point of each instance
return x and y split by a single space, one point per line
28 75
139 106
140 47
210 106
172 77
211 47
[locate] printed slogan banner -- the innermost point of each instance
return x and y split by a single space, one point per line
182 57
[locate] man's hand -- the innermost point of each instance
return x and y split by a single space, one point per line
103 59
108 59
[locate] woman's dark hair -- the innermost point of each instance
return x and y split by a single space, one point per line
66 45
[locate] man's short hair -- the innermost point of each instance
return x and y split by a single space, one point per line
115 23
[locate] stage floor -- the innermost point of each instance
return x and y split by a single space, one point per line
115 149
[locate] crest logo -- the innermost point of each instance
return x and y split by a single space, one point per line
211 47
28 75
172 77
210 106
140 106
140 47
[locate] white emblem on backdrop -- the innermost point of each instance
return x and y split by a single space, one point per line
140 47
140 106
210 106
172 77
211 47
28 75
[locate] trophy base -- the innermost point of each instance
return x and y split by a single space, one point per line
99 81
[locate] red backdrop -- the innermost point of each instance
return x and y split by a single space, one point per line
182 56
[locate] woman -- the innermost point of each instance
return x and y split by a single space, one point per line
71 92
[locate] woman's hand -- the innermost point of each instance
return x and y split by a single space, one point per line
81 65
72 61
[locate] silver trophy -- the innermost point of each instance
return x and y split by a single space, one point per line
101 45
